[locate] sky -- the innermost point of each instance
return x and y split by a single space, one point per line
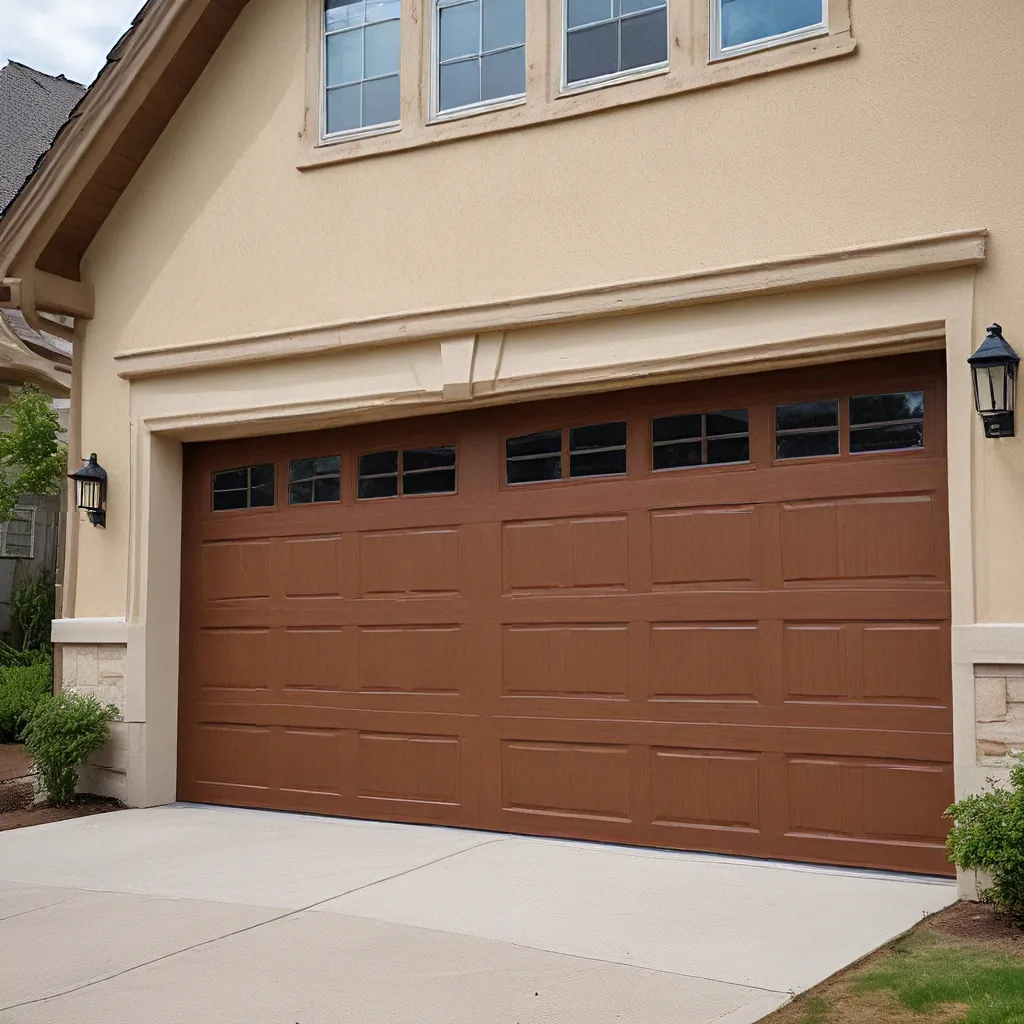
63 37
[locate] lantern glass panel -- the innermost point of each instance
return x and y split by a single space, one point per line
991 388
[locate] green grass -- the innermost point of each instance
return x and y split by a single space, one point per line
815 1010
925 975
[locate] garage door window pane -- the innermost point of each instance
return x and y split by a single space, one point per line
700 439
251 487
530 458
888 422
422 471
598 450
378 475
314 480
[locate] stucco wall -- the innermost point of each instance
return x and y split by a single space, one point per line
219 234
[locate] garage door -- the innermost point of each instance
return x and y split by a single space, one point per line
707 616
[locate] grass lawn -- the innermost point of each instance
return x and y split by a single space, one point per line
965 965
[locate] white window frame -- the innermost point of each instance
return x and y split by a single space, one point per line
31 518
436 113
567 88
353 133
717 52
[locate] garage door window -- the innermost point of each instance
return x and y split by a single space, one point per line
881 423
700 439
599 450
248 487
408 472
314 480
807 429
534 457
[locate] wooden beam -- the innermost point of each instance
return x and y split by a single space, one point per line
62 296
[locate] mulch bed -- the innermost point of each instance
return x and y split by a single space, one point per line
86 805
14 762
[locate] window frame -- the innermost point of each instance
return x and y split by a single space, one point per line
4 534
400 449
435 113
248 506
717 52
333 138
703 413
567 88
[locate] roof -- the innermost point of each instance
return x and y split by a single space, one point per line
77 182
33 107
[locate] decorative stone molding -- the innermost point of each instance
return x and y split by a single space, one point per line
97 670
999 712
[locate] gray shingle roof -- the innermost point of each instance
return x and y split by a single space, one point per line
33 106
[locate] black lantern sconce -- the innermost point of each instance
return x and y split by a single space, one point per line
994 368
91 481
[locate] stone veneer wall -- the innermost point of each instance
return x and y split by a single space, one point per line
99 670
999 712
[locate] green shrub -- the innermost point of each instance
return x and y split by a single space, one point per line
32 601
21 689
64 731
988 835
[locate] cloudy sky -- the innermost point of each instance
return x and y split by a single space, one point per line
63 37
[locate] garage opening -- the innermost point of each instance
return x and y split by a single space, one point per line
703 616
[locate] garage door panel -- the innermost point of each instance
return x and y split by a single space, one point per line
701 661
567 780
750 658
560 554
578 660
312 567
706 545
408 562
234 570
709 789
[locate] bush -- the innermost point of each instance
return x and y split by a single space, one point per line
64 731
988 835
32 601
21 689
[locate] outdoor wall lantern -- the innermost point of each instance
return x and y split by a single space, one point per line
994 368
91 481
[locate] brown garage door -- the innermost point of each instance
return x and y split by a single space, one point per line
708 616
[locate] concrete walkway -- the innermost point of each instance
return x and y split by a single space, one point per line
223 916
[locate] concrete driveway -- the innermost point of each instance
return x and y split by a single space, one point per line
217 915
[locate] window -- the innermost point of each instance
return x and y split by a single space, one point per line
534 457
700 439
597 451
314 480
880 423
18 535
409 472
250 487
607 38
739 26
361 58
807 429
480 52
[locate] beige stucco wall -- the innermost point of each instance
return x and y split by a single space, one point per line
220 236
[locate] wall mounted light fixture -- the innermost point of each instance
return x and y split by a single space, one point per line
994 369
91 481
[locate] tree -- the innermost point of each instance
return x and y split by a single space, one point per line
32 456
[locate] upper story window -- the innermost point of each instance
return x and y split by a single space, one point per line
739 26
480 53
362 50
609 38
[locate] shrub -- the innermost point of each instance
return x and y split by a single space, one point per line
64 731
21 689
988 835
32 601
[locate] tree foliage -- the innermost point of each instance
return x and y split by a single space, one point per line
32 457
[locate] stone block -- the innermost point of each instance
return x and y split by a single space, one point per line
992 748
1015 691
990 700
